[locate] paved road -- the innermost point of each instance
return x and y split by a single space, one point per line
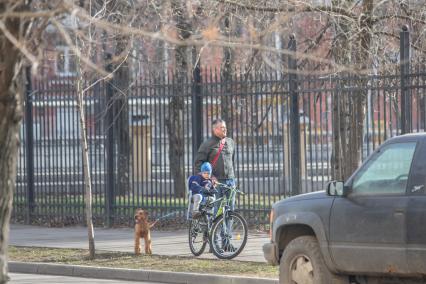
21 278
121 239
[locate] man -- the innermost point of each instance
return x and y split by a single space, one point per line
218 150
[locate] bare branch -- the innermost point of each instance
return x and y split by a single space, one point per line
376 20
19 45
307 7
418 48
76 50
33 15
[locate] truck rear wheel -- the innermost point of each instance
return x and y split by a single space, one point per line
303 263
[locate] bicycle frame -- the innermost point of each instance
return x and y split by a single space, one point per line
225 202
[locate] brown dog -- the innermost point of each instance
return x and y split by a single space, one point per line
142 230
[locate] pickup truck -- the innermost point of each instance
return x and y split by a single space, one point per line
369 229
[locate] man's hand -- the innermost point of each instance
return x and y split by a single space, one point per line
230 182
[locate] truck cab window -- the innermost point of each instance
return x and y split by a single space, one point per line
387 172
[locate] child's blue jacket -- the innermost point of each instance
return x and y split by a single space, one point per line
196 184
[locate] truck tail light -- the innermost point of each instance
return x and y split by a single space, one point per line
271 219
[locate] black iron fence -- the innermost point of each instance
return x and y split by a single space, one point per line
266 112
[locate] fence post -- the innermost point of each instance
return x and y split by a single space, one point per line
406 125
109 121
294 120
197 105
29 143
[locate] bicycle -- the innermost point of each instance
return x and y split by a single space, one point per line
225 230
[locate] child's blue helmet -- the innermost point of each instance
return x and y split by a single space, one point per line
206 167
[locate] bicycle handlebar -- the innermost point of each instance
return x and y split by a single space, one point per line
230 187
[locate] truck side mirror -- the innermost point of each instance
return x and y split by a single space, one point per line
335 188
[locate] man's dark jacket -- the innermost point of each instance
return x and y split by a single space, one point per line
224 168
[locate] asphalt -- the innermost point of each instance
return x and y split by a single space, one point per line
170 243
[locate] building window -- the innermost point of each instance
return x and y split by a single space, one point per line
65 61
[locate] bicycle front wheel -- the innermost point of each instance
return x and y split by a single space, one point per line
198 236
229 236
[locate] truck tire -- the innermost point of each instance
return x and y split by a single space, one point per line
303 263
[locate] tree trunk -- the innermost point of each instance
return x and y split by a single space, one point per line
86 168
176 141
349 108
226 78
10 118
11 113
122 11
121 110
175 120
341 115
83 140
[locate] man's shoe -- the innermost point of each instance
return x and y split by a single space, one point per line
230 248
227 246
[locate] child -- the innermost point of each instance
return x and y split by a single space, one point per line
201 185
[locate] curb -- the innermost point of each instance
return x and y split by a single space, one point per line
132 274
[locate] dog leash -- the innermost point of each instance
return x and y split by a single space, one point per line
153 223
162 217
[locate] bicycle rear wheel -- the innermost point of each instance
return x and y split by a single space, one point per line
197 235
229 238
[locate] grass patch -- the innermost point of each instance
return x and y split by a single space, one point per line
154 262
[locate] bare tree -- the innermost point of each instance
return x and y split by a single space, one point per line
80 98
86 165
226 75
122 13
175 119
12 30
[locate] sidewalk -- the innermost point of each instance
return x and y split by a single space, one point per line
173 243
133 274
